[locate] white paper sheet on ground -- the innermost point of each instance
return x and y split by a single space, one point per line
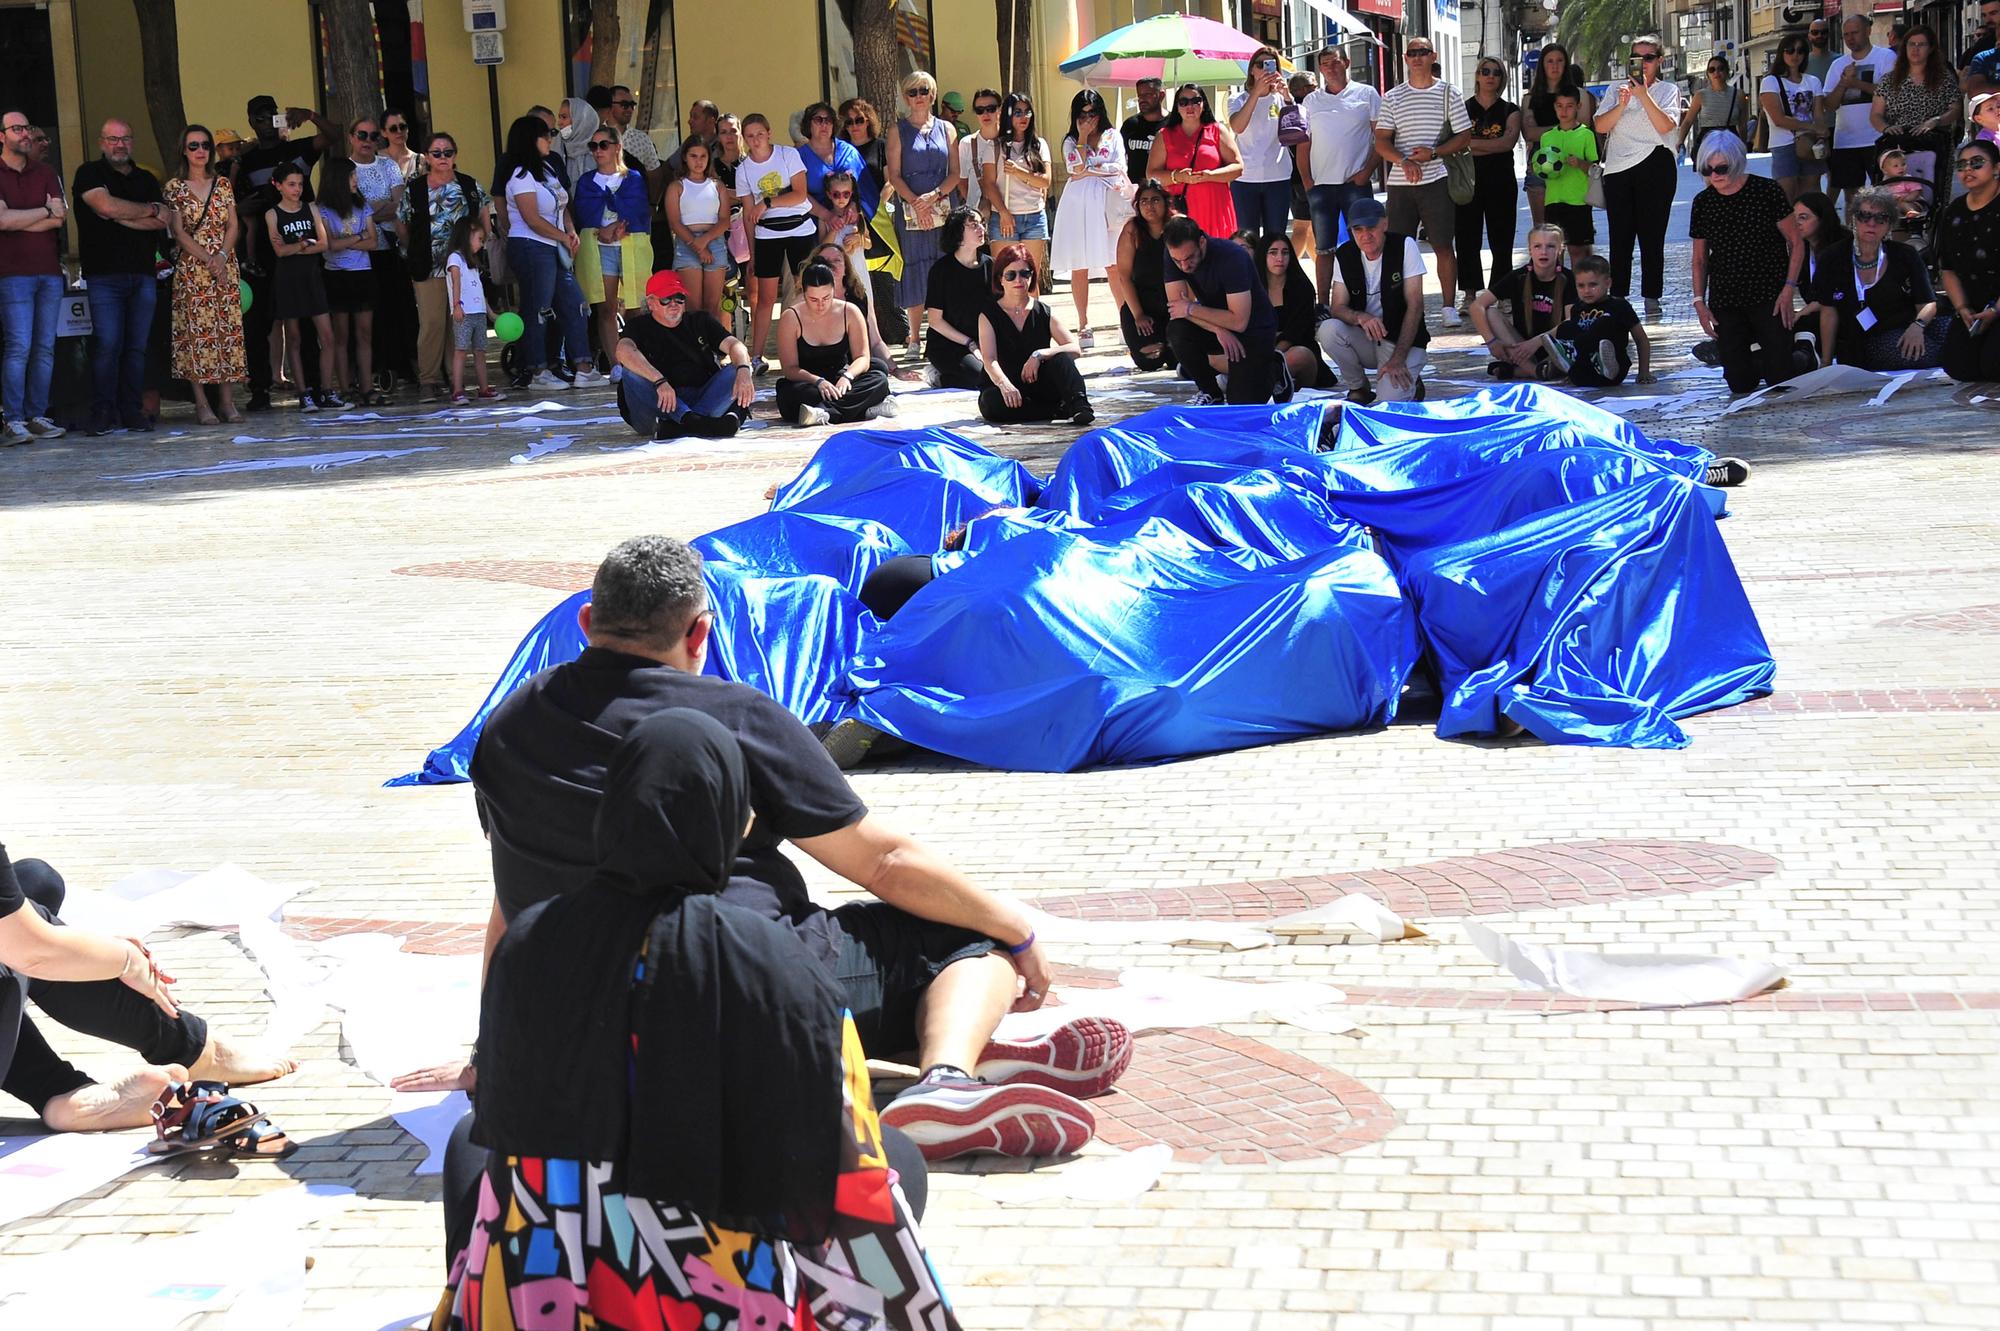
429 1116
311 461
1655 979
221 898
555 443
1889 389
376 1312
1162 1000
1100 1179
1356 915
1627 406
248 1271
1221 935
1825 380
40 1172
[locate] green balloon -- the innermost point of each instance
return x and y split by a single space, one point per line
507 327
243 294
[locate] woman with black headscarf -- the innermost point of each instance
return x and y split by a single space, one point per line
687 1133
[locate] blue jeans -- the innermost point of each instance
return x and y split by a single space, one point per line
1329 205
1263 207
121 321
639 403
547 287
28 309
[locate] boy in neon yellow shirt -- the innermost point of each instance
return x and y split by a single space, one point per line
1563 200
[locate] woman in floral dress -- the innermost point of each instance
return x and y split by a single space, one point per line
208 309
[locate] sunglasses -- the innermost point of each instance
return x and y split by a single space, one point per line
1867 215
396 129
625 105
839 200
1713 170
444 154
1969 163
1645 57
1491 73
912 94
197 145
671 300
1420 51
1188 101
986 109
364 136
1018 275
599 145
857 120
820 120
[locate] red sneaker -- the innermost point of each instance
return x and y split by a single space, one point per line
1081 1057
953 1116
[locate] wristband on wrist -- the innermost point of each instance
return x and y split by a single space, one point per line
1017 949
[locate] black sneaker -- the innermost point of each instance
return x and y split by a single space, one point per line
101 424
1202 399
1361 397
258 402
1705 352
1727 472
1079 414
710 427
307 402
849 742
1562 353
669 428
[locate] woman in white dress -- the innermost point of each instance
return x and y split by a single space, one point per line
1093 203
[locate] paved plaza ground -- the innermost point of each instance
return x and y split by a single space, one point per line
226 666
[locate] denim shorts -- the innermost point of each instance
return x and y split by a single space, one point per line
714 261
1785 161
610 260
1027 226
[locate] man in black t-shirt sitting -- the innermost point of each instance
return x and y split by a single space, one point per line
932 966
1222 322
1522 305
671 376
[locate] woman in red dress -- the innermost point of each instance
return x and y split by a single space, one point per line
1195 157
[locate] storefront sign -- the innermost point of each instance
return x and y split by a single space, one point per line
1381 8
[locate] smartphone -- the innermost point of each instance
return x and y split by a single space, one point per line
1635 70
1268 66
283 125
1867 73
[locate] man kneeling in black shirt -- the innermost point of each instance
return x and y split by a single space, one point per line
932 966
671 379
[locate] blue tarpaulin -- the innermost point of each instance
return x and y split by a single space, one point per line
1199 579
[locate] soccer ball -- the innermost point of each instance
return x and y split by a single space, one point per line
1547 162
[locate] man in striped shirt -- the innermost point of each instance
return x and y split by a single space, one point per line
1415 116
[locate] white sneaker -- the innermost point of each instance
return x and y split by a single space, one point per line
886 407
1087 339
15 433
589 378
544 382
814 415
1653 312
1450 318
43 428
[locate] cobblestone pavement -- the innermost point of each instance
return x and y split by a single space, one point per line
226 667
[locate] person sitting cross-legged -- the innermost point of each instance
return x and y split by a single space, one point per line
1378 309
1522 305
681 372
1592 346
931 966
1222 320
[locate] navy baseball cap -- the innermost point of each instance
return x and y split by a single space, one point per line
1366 211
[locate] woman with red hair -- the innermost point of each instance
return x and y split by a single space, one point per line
1029 355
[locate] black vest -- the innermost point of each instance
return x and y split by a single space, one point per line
1354 277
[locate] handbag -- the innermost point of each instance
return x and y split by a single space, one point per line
1593 193
1461 178
1292 127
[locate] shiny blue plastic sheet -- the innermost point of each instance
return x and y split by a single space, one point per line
1197 579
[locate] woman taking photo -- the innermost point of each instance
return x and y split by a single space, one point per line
776 1165
1717 104
698 206
1291 293
823 358
1086 239
1140 279
1552 75
961 288
1030 357
1018 176
208 306
541 253
1639 128
614 221
1793 103
1877 309
433 205
1496 128
1263 193
1197 158
1916 107
922 175
1968 238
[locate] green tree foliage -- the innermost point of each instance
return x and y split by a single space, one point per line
1591 29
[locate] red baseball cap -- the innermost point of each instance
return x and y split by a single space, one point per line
666 284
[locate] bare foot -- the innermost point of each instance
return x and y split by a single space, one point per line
772 491
126 1103
239 1065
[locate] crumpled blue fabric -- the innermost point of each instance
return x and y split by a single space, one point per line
1199 579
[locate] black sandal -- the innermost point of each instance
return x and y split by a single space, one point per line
204 1116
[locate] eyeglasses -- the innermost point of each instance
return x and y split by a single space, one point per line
1969 163
1018 275
986 109
857 120
1023 111
197 146
444 154
1796 48
625 105
599 145
1869 215
117 138
1713 170
820 120
1188 101
1491 73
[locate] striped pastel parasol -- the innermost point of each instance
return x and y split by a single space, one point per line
1175 48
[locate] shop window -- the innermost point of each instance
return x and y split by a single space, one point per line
645 63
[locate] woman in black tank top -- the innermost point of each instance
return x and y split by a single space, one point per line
828 380
1141 271
1029 356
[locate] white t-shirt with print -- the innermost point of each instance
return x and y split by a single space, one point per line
546 197
1796 98
1851 126
768 179
471 287
1265 160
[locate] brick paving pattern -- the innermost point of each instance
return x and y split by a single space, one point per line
226 667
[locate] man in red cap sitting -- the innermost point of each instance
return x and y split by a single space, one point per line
679 370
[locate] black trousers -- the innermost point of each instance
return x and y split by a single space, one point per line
1745 366
1491 212
1134 342
1969 359
865 393
1056 392
1638 202
395 326
30 1070
962 370
1250 379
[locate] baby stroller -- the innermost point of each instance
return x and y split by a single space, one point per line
1919 200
